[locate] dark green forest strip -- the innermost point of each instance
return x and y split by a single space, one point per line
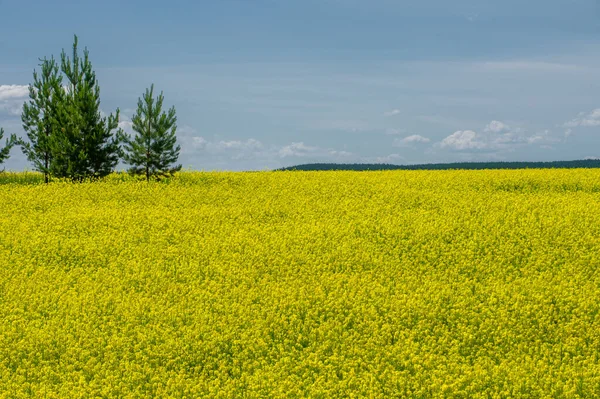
587 163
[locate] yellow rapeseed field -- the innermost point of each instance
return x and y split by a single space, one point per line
407 284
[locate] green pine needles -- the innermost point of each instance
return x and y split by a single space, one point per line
40 116
5 151
68 137
85 147
152 151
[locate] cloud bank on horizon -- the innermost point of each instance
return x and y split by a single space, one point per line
256 87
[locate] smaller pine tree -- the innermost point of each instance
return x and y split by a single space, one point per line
10 142
40 116
152 151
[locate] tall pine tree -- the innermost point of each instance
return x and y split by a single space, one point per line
87 146
10 142
40 114
152 151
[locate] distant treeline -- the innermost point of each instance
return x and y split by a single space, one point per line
587 163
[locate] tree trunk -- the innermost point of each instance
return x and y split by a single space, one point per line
147 167
46 168
148 150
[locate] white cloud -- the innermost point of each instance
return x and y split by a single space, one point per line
125 122
12 107
587 120
496 136
297 150
126 125
464 140
12 98
392 112
186 130
221 146
409 140
199 142
12 92
568 132
340 154
252 149
391 159
415 138
250 144
536 138
544 139
496 127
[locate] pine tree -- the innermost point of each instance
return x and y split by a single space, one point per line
4 152
152 151
86 146
39 116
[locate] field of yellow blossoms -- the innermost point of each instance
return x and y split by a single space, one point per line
398 284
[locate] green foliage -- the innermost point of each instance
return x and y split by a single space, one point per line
85 147
21 178
152 150
586 163
10 142
40 116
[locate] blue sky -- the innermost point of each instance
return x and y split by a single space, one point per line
260 84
